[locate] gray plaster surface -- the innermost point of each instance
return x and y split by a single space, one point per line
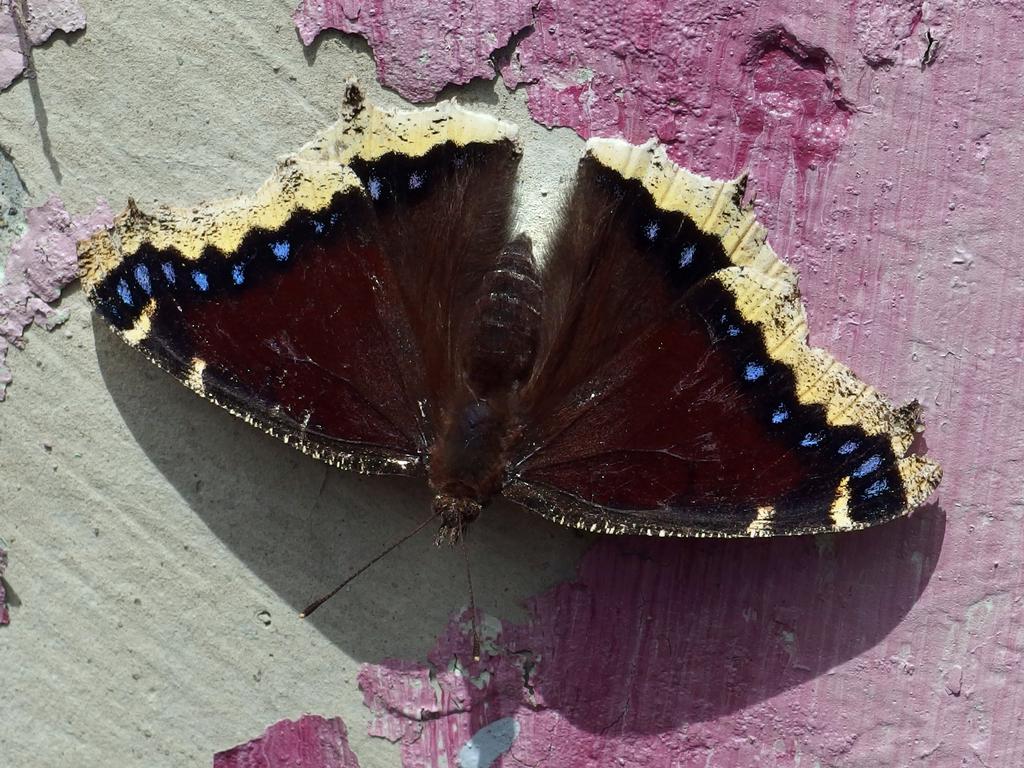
160 548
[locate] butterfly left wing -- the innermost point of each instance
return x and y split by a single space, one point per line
675 393
316 309
276 322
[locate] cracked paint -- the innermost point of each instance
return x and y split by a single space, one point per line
309 742
27 23
41 262
435 708
662 653
421 47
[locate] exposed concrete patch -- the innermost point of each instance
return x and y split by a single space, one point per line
12 206
488 744
152 524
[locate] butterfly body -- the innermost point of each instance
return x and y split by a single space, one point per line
370 306
481 429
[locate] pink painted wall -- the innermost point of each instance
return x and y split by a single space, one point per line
884 141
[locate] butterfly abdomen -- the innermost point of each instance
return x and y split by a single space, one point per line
468 459
505 323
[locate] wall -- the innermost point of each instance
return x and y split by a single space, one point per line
158 549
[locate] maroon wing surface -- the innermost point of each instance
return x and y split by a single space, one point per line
675 393
316 308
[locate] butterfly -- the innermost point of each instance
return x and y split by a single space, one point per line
371 306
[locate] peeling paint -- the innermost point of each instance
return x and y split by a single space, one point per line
309 742
40 264
422 47
659 653
435 709
881 142
27 23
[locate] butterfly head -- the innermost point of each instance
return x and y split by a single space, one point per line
456 513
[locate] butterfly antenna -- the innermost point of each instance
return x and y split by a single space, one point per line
383 553
472 601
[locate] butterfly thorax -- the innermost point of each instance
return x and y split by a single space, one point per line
468 458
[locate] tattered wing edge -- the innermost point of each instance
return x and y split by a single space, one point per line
304 180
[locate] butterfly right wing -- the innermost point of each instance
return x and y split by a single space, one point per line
675 392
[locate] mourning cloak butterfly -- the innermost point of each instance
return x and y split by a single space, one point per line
369 306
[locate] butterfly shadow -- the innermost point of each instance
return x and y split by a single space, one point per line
658 633
301 526
649 635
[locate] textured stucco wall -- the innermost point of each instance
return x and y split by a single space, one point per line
158 548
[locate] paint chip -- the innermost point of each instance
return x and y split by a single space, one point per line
422 47
41 262
309 742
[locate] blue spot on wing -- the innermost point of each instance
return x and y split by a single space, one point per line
124 291
318 227
780 414
374 187
142 278
415 180
867 467
168 269
238 274
811 439
651 230
686 257
848 447
732 330
876 488
281 250
753 372
201 280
